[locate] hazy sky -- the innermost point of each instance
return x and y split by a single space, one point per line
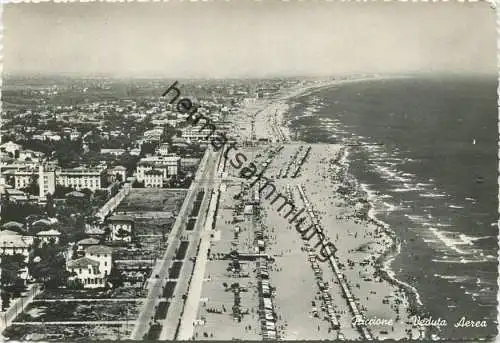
248 38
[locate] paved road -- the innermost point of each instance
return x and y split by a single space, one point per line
178 307
186 330
155 285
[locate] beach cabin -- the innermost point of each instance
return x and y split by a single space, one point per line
268 305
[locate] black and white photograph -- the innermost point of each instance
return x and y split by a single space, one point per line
249 170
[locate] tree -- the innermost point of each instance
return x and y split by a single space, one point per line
116 278
33 188
147 148
13 211
48 265
122 234
61 191
50 207
11 270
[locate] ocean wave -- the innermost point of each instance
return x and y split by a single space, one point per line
464 261
433 195
447 241
405 189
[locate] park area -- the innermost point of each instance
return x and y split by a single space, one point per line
100 310
81 333
117 293
48 320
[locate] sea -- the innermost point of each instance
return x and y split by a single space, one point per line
424 150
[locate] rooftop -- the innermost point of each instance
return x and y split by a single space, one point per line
83 262
88 241
51 232
121 217
99 249
12 224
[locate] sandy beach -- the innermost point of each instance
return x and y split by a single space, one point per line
309 296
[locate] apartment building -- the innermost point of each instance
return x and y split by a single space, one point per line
81 177
167 165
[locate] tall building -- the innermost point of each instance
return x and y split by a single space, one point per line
46 181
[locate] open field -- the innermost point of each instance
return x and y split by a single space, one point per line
153 225
153 199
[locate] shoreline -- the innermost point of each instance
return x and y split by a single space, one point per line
388 256
383 260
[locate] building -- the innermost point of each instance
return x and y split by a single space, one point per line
11 148
103 255
114 152
74 135
94 268
87 271
153 135
121 227
20 178
119 170
12 243
153 178
163 149
198 133
30 155
48 235
46 181
168 165
83 244
81 177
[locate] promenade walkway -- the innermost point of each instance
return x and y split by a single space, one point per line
186 330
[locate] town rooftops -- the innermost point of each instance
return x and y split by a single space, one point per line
88 241
99 249
83 262
121 218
